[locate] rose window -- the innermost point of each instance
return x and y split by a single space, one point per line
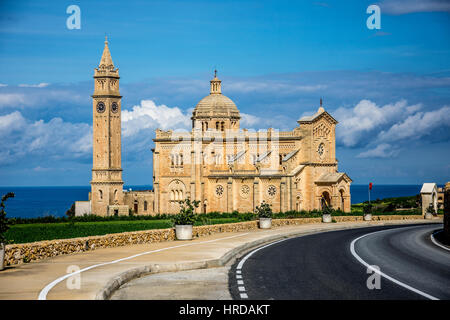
272 191
219 191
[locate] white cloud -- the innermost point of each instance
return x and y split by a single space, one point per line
40 85
248 120
55 139
12 99
11 122
148 115
381 127
398 7
3 85
363 122
417 125
381 151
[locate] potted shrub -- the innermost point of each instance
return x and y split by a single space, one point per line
430 212
326 213
264 212
3 228
184 220
367 212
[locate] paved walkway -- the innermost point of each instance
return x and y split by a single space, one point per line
27 281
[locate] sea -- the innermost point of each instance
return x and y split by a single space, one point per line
33 202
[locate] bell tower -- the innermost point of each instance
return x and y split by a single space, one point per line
106 183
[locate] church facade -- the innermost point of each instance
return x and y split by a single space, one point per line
225 167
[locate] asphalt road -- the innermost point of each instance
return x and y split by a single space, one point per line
321 266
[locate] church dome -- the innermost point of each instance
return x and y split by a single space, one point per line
216 105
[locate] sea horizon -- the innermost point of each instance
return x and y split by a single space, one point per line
41 201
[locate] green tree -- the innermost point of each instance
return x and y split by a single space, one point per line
71 212
4 225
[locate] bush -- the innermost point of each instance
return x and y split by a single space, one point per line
327 209
186 215
367 209
264 210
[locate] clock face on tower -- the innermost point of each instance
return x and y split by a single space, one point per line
100 107
114 107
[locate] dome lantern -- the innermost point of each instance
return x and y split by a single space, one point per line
216 111
216 84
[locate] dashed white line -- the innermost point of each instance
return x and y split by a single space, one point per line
404 285
241 288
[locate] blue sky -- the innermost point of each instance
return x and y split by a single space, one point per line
388 88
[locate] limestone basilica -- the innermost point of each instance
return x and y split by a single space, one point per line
224 166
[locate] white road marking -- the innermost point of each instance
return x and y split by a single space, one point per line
404 285
244 295
241 263
437 243
47 288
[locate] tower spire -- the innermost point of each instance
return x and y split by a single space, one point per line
106 60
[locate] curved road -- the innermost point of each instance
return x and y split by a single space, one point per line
322 266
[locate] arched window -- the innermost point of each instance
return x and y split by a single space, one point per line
217 125
206 126
181 159
115 195
145 205
172 195
100 194
222 126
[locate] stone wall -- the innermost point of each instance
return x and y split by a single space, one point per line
34 251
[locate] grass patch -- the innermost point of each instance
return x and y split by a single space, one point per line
24 233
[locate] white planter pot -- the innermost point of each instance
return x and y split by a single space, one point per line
265 223
326 218
368 217
2 256
183 232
